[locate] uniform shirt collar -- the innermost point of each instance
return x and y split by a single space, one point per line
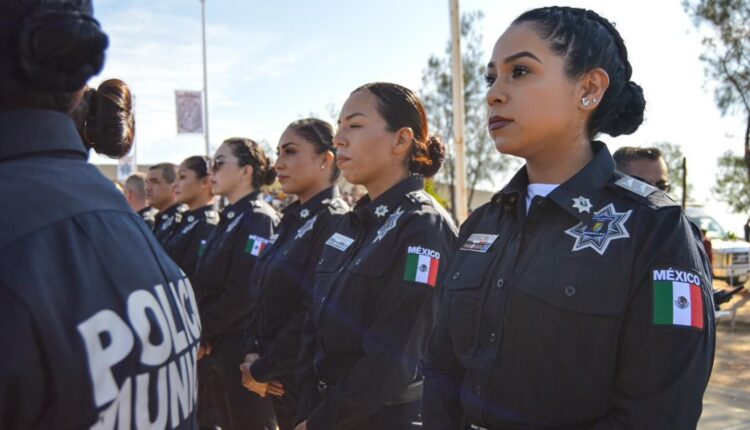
198 214
580 192
311 207
242 204
170 211
388 202
30 132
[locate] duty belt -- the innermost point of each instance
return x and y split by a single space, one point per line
412 393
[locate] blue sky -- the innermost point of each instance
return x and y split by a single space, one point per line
270 63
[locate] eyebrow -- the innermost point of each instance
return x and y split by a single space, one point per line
350 116
491 64
284 145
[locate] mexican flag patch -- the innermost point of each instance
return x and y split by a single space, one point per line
677 298
202 248
256 245
422 265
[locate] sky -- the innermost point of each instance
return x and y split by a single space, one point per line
270 63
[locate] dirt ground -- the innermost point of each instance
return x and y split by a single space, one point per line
732 363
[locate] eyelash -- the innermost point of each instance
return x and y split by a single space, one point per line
516 73
489 80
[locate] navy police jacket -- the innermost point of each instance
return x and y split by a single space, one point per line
99 327
190 237
223 270
282 284
167 222
372 305
591 311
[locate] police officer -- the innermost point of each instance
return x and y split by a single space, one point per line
160 195
372 306
135 194
223 279
578 298
283 281
98 325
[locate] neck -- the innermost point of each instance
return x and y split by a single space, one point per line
199 202
381 184
165 206
137 206
235 195
560 164
312 191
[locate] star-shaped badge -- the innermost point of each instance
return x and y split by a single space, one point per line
230 215
304 213
582 204
381 211
606 225
305 228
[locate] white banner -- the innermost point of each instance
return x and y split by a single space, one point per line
126 166
189 111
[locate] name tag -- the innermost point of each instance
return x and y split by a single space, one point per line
339 241
479 242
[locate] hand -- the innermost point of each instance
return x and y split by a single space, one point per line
250 383
204 350
301 426
276 388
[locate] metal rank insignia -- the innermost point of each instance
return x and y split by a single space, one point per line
606 225
479 242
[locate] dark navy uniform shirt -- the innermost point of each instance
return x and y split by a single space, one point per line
190 237
166 222
592 310
282 283
98 326
372 307
223 271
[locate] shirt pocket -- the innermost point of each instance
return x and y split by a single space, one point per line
464 286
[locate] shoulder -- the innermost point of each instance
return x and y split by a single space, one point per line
262 209
422 205
336 206
641 193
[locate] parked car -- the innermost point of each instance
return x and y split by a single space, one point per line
731 256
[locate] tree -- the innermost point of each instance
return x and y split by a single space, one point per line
732 184
727 56
483 162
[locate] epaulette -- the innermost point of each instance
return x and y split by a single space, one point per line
212 217
422 197
337 205
645 193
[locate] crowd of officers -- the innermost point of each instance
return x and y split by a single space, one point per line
578 298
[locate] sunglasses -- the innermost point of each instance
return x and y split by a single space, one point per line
218 163
663 186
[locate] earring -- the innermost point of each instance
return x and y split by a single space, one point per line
585 102
323 167
595 101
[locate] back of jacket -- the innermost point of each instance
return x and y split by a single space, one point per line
99 328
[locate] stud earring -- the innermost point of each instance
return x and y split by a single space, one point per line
595 101
585 102
323 167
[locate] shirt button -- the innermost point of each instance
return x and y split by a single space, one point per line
456 275
321 261
493 337
500 283
570 291
358 262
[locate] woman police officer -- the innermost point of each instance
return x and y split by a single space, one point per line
372 306
222 279
282 283
100 326
578 297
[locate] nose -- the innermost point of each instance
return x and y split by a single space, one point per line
495 94
279 165
338 139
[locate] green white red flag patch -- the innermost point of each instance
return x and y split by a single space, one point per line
677 298
422 265
256 244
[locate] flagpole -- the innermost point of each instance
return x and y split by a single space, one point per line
461 209
205 78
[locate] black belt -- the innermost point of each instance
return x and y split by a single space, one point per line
412 393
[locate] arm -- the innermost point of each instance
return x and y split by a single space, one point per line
664 367
394 343
236 302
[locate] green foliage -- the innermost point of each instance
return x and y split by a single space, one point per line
483 162
732 185
429 187
672 154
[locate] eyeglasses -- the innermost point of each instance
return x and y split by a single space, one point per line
218 163
664 186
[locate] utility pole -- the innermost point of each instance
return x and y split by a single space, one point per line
460 211
205 79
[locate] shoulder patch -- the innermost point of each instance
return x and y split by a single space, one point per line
677 298
635 186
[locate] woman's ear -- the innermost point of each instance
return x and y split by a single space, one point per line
404 138
593 86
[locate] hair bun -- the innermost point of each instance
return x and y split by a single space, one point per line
628 112
61 48
270 176
436 154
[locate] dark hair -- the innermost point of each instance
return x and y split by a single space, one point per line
198 164
320 134
625 155
168 171
249 153
589 41
48 50
400 107
105 120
